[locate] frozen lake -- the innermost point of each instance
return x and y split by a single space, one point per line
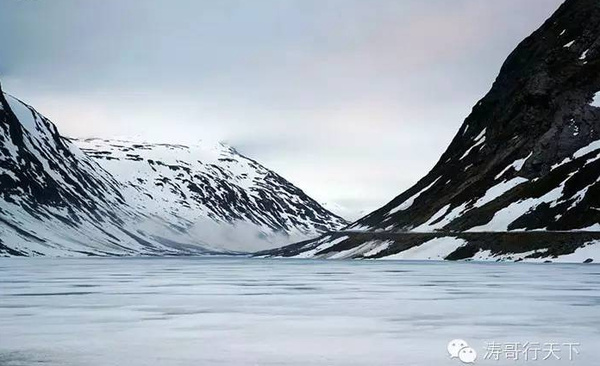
215 311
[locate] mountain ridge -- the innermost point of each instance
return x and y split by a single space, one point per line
57 200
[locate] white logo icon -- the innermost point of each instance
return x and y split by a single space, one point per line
467 355
458 348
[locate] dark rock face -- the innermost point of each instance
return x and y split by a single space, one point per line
524 144
44 184
526 158
53 200
38 164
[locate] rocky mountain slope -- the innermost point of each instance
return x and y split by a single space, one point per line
528 156
153 200
212 192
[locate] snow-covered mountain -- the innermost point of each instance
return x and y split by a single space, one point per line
526 158
122 198
212 192
54 199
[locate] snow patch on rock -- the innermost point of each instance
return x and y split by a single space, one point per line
409 201
434 249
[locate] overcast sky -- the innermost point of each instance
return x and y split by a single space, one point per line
351 100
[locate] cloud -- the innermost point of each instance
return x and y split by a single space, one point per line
353 101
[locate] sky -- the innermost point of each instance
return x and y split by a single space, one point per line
351 100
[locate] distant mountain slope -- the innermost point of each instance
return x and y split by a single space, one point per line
213 191
529 246
528 155
56 200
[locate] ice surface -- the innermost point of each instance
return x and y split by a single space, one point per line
191 312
